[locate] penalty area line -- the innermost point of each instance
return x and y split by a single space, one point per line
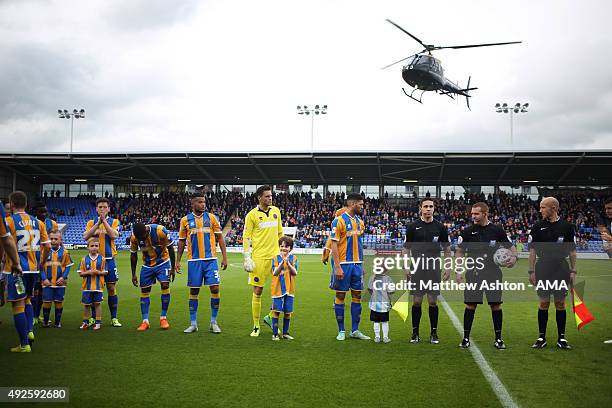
498 387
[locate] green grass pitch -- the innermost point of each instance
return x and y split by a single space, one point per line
121 367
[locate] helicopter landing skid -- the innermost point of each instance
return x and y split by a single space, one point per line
412 97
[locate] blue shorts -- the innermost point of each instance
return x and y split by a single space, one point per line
90 297
151 274
283 304
199 271
55 294
111 267
353 278
29 281
12 295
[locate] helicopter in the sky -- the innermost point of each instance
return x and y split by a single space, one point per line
424 72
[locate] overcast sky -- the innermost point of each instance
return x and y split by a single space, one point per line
215 75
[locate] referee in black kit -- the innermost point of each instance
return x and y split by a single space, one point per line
424 239
480 240
551 241
604 225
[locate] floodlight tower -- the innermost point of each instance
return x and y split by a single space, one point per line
318 110
517 108
76 114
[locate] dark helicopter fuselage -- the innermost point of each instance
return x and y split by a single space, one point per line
425 72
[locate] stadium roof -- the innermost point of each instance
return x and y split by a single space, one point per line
554 168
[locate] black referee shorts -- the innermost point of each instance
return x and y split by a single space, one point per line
423 281
477 286
552 278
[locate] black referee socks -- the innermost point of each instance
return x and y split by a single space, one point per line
468 319
416 318
433 317
497 322
561 318
542 322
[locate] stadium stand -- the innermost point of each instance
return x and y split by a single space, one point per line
312 214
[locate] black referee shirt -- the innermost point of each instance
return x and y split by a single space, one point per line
552 241
426 238
607 222
482 241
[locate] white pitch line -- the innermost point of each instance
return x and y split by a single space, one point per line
498 387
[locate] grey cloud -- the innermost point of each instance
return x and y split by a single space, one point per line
148 14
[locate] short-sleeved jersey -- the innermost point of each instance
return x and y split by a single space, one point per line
57 265
29 234
51 225
552 241
4 231
284 283
426 238
380 300
263 228
93 283
199 231
154 247
603 221
348 231
108 249
482 241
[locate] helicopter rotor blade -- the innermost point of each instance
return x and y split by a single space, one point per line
475 45
397 62
406 32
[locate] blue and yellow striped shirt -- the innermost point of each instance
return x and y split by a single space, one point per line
108 249
348 231
154 247
92 283
29 234
57 265
284 283
200 235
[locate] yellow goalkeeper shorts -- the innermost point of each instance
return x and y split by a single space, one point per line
263 269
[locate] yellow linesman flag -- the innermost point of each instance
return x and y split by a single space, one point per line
581 313
401 306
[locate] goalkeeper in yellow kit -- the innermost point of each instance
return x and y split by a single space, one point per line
262 229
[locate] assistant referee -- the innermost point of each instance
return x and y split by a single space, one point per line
551 241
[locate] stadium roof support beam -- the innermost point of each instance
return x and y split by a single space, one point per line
570 169
505 170
411 160
318 168
124 168
14 170
41 170
92 169
201 169
259 169
409 170
143 168
442 167
379 168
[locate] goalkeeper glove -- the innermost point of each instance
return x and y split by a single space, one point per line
249 264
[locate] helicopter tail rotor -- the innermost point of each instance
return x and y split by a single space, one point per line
465 92
467 98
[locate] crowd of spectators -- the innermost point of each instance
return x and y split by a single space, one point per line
313 214
168 208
